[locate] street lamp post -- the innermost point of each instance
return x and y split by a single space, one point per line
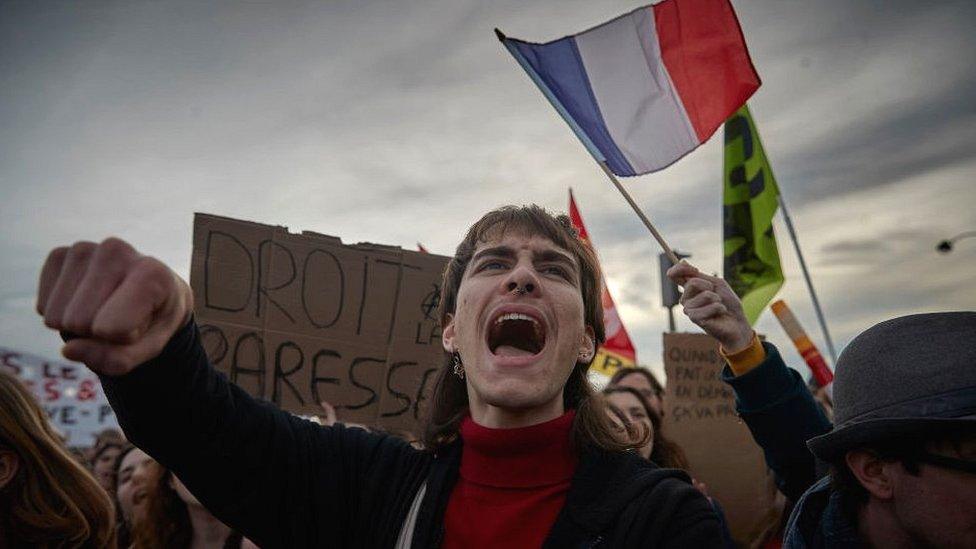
946 245
670 293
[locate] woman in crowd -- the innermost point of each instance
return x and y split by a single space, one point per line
633 407
133 472
644 382
104 456
172 517
47 498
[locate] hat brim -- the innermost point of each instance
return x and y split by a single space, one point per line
834 444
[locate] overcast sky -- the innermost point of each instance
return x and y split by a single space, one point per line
399 122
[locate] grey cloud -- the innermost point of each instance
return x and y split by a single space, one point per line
402 121
853 247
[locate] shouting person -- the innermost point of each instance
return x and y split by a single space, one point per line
519 452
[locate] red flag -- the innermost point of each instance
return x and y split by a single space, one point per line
617 351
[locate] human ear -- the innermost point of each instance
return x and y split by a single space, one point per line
587 345
9 464
872 472
448 334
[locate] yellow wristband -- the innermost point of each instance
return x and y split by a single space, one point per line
745 360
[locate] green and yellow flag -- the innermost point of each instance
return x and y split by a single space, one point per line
749 202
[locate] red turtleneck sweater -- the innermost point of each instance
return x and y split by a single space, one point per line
512 484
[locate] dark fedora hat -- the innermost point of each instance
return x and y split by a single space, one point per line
907 376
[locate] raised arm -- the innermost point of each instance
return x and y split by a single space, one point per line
771 398
280 480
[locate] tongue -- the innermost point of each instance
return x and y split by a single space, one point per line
509 350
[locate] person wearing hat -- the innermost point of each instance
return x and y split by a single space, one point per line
902 451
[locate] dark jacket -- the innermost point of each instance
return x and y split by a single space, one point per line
782 416
286 482
818 521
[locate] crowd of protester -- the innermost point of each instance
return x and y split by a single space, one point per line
889 461
110 495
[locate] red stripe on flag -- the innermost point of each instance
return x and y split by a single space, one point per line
617 339
706 56
576 218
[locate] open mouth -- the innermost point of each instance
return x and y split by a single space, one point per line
139 497
516 334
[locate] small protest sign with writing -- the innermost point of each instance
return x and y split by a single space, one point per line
700 416
70 394
296 319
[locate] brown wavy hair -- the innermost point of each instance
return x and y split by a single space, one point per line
665 452
52 501
621 373
165 524
449 400
166 520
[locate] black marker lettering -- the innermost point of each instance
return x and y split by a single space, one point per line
398 395
236 369
270 245
214 343
281 374
316 378
352 378
326 258
245 297
421 391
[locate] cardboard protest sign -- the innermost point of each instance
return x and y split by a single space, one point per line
700 416
296 319
70 394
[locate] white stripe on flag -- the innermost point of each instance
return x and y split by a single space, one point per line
610 54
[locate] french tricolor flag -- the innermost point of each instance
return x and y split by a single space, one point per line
648 87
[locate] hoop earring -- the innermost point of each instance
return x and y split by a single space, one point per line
458 367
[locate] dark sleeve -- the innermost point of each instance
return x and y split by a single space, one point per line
727 541
280 480
782 415
693 523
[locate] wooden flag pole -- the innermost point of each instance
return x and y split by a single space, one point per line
647 222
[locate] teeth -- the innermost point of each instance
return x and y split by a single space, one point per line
515 316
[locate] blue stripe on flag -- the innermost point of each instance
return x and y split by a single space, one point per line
557 69
554 101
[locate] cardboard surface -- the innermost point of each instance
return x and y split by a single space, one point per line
700 416
299 318
69 392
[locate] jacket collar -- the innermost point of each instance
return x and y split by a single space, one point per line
818 520
602 486
605 482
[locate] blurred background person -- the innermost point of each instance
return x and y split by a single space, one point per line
630 405
174 518
47 498
104 456
643 381
133 471
635 408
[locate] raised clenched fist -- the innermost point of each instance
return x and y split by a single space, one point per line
120 307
